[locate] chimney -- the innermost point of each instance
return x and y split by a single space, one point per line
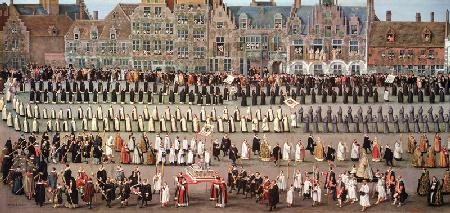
11 2
388 15
446 22
95 15
298 4
418 17
76 15
82 9
432 16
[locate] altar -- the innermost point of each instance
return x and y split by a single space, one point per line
195 174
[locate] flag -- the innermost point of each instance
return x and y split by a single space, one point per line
206 130
390 79
229 79
291 103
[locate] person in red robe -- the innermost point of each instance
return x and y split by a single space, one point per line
376 157
124 155
214 191
118 143
183 194
222 198
89 193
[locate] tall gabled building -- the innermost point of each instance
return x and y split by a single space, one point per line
34 33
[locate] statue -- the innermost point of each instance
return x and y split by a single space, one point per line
265 150
317 55
323 57
311 54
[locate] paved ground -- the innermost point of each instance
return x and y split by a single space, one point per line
199 194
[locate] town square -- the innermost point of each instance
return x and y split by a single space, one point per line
215 105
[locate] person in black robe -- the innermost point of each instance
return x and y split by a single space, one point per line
233 154
109 191
254 98
191 97
149 97
400 96
367 144
272 98
216 150
388 156
127 86
276 154
375 96
199 99
355 97
41 85
256 145
441 96
432 97
313 96
333 96
37 98
72 193
105 96
208 99
160 96
32 96
141 96
324 96
274 196
39 196
225 144
302 97
311 144
76 152
244 99
79 98
45 96
145 193
331 154
95 96
132 95
114 96
410 97
282 98
145 86
345 100
122 96
420 96
54 97
6 166
262 101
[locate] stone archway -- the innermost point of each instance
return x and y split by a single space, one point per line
338 67
277 67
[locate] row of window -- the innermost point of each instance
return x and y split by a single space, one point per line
318 68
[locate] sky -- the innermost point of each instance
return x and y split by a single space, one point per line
402 10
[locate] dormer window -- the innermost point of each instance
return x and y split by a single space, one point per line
147 11
94 33
278 20
158 11
76 34
390 36
112 34
52 31
354 29
243 21
426 35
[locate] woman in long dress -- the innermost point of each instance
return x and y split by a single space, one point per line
381 190
290 196
243 124
245 150
128 126
298 181
157 183
354 155
316 194
109 147
351 187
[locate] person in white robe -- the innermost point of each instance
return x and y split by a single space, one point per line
190 157
49 125
202 114
183 124
294 120
255 125
128 126
105 124
243 124
57 126
21 110
35 127
36 113
207 159
248 114
167 113
281 181
354 155
316 194
29 112
364 196
189 114
381 190
232 126
116 124
60 114
146 113
307 187
134 115
172 156
298 181
351 187
44 114
4 113
140 124
299 156
290 196
181 158
151 125
200 149
94 126
73 125
16 123
66 126
398 151
286 151
166 143
285 122
213 114
245 150
109 148
100 112
9 120
220 124
157 183
173 124
279 112
225 113
26 127
121 113
136 155
195 124
258 114
193 145
165 195
85 124
276 125
184 144
52 113
178 113
340 152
